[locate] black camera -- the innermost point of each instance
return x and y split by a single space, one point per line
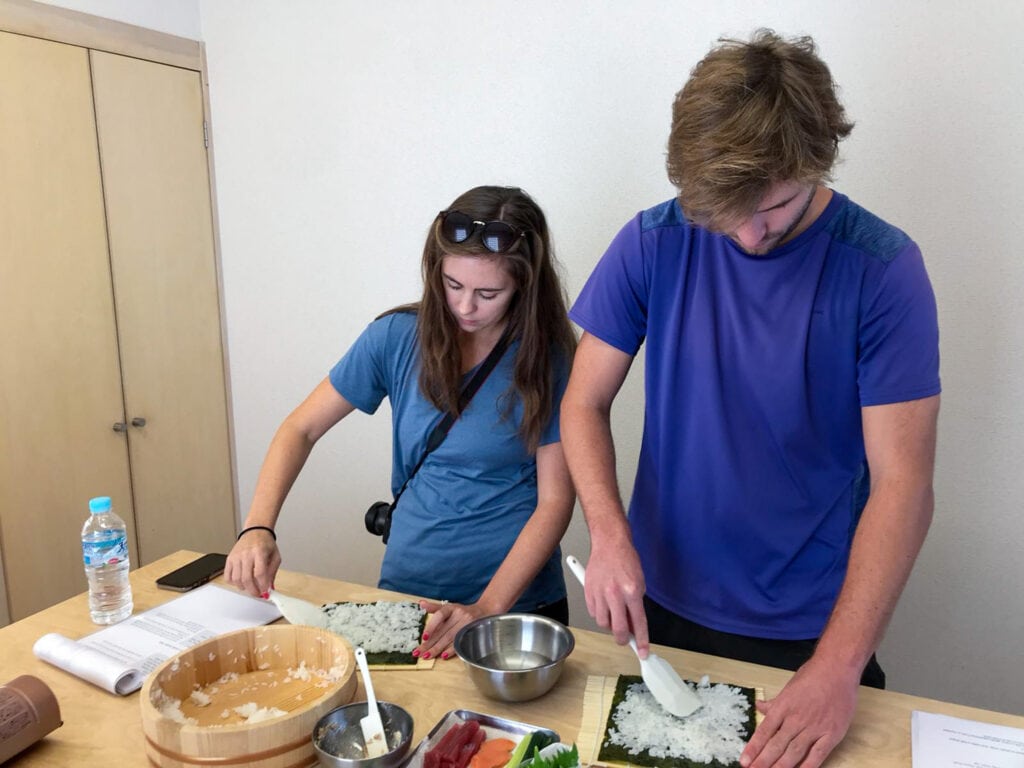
378 519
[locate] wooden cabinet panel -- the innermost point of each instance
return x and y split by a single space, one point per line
157 192
109 302
61 390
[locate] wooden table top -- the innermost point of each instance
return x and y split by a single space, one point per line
101 729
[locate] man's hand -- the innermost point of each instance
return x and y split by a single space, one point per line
615 591
805 722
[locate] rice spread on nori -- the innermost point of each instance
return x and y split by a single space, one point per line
641 732
388 631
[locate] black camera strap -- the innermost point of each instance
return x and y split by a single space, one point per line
441 429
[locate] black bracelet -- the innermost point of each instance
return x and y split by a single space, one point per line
257 528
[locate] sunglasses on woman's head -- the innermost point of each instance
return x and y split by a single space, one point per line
495 236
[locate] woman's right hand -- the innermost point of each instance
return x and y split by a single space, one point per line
253 562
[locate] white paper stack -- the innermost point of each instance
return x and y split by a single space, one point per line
940 741
118 658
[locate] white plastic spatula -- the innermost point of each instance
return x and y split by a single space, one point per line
664 683
373 727
298 611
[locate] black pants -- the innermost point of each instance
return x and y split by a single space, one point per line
667 628
558 610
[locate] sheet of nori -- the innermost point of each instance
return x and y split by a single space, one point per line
387 657
616 754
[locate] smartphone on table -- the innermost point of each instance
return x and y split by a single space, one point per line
193 574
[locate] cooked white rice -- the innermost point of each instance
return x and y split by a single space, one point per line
714 732
254 713
170 708
379 627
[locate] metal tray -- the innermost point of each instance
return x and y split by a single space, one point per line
494 727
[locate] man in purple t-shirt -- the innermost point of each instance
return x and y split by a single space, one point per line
784 485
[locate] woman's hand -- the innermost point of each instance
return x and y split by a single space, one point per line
253 562
444 622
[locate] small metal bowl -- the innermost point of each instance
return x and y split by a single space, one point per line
338 737
514 656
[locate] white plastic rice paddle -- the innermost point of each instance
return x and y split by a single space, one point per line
298 611
664 683
373 727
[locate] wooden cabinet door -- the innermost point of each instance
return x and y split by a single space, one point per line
157 192
60 384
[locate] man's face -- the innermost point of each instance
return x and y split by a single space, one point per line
778 218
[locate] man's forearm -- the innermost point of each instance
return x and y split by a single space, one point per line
899 441
888 539
615 580
590 454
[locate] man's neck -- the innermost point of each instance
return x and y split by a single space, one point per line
819 202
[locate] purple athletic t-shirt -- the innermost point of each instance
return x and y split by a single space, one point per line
752 472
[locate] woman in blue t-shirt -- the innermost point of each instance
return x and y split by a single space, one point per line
476 526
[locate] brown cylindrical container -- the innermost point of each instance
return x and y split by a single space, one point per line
28 711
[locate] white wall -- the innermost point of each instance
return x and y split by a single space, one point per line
340 128
175 17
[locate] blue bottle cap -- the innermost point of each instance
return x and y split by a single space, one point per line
99 505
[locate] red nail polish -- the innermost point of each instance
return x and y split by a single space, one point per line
265 595
444 655
426 655
426 636
416 653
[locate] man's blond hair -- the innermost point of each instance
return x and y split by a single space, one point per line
752 114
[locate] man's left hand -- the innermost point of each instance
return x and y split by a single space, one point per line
805 722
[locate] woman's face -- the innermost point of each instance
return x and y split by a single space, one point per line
478 290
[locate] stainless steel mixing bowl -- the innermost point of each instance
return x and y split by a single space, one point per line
514 656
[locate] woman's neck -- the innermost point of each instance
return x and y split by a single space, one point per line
474 347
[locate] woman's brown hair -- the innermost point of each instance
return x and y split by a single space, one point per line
752 114
537 315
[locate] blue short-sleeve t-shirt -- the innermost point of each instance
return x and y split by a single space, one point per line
462 511
752 471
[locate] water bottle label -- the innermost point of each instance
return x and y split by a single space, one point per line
110 549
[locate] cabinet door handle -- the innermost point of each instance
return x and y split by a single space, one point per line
138 421
120 426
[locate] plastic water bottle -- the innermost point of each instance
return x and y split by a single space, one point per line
105 553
